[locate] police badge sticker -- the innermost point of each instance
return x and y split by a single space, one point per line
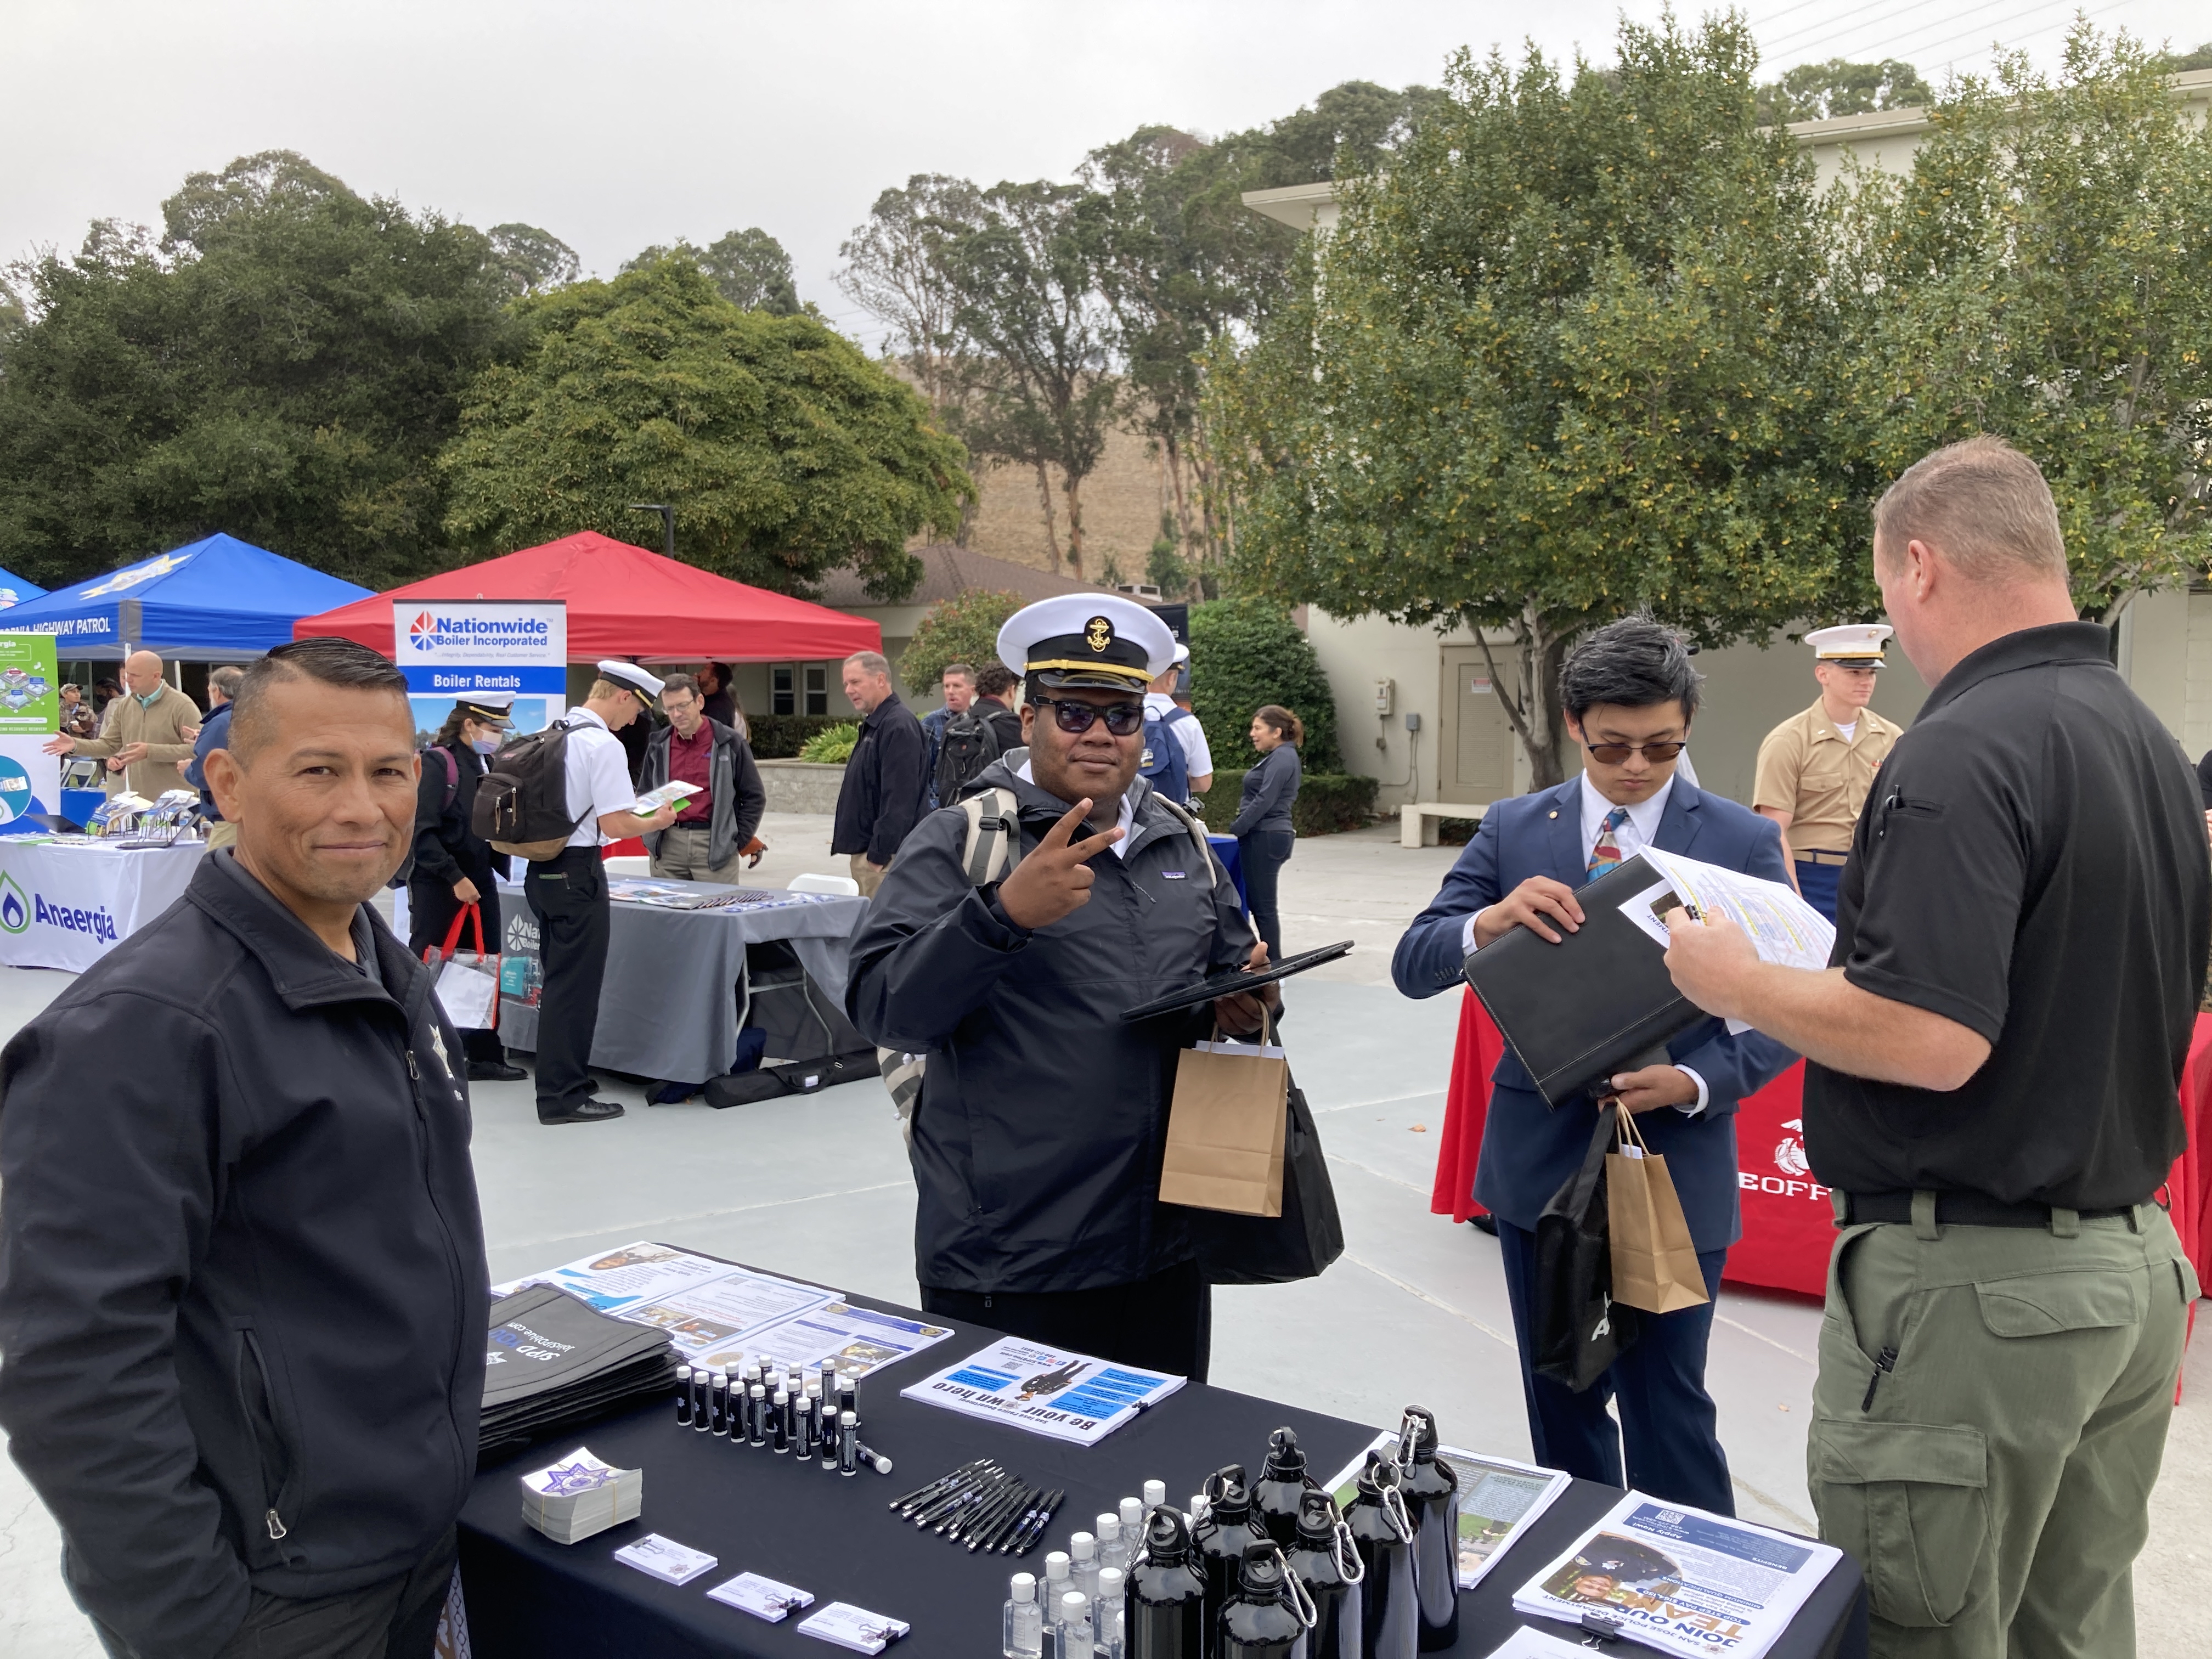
1098 632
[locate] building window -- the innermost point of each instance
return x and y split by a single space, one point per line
798 688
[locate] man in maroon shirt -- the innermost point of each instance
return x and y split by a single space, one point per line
714 829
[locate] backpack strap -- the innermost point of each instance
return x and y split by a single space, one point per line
993 845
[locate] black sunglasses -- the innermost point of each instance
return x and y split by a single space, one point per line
1613 754
1123 719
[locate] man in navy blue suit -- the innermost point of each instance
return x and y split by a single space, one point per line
1629 693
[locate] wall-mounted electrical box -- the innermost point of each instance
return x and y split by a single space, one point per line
1385 689
1412 722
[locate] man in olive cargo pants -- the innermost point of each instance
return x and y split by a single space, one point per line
1990 1092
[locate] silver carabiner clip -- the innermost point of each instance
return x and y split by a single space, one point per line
1301 1598
1394 1507
1346 1551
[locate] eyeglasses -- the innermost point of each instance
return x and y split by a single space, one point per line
1613 754
1123 719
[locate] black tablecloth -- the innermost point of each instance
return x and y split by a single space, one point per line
834 1537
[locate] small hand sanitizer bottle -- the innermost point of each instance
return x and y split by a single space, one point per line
1112 1551
1025 1637
1083 1565
1076 1640
1106 1617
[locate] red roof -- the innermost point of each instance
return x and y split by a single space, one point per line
625 601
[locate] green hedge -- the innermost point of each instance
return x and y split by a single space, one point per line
781 736
1328 802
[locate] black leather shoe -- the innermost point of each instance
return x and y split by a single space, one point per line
591 1111
1484 1224
494 1071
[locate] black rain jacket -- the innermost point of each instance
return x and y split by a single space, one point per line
883 792
1037 1137
242 1281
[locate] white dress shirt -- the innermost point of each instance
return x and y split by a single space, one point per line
598 776
1635 833
1197 757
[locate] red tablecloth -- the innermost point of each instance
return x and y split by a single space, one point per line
1788 1224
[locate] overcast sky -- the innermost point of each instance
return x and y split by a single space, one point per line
618 125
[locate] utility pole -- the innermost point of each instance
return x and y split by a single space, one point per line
667 524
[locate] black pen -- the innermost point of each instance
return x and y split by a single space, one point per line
972 1507
991 1514
1026 1535
931 1514
939 1487
997 1533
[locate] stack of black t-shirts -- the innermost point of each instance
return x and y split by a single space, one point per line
553 1361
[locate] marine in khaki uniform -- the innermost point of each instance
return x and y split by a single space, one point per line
1816 768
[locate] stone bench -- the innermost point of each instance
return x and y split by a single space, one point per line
1418 822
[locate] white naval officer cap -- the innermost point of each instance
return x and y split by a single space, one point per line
631 678
1099 639
490 707
1853 644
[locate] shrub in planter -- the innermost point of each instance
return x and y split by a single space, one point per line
832 746
1245 653
781 736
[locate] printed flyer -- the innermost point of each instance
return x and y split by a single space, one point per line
1047 1391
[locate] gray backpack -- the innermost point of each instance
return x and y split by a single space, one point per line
989 850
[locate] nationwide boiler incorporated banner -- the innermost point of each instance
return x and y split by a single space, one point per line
458 648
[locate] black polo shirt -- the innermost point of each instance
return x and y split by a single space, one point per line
2032 864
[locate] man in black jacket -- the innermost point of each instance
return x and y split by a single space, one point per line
1038 1133
242 1286
883 792
715 826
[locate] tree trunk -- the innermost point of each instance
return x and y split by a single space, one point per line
1075 487
1532 710
1051 527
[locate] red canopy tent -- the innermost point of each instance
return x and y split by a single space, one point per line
625 601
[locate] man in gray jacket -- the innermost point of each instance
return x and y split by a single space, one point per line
715 827
242 1287
1038 1133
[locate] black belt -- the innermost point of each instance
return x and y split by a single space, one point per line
1962 1210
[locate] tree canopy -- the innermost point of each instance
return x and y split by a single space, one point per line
963 629
1820 92
283 364
785 451
1563 360
750 267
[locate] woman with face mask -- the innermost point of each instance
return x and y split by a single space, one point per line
454 866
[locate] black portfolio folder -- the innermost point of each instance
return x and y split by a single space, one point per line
1598 1002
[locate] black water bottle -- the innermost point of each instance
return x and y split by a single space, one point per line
1432 1492
1282 1482
1260 1621
1325 1563
1165 1601
1384 1536
1223 1537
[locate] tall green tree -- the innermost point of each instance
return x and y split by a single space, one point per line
533 260
1820 92
748 267
283 365
784 450
1564 359
2041 274
1038 387
897 268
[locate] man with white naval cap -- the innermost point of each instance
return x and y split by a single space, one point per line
567 892
1038 1130
1816 767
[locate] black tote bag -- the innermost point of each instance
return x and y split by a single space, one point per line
1250 1250
1579 1329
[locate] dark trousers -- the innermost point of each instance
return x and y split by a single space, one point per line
1262 856
1163 1323
568 895
1658 1387
1818 883
431 908
395 1620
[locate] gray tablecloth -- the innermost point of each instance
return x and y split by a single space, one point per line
669 1008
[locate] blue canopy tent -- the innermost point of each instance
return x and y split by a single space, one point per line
217 600
14 590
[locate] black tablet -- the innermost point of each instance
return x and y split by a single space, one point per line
1227 985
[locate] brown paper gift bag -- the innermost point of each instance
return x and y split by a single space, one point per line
1655 1265
1225 1148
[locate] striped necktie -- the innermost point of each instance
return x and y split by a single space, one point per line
1607 853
